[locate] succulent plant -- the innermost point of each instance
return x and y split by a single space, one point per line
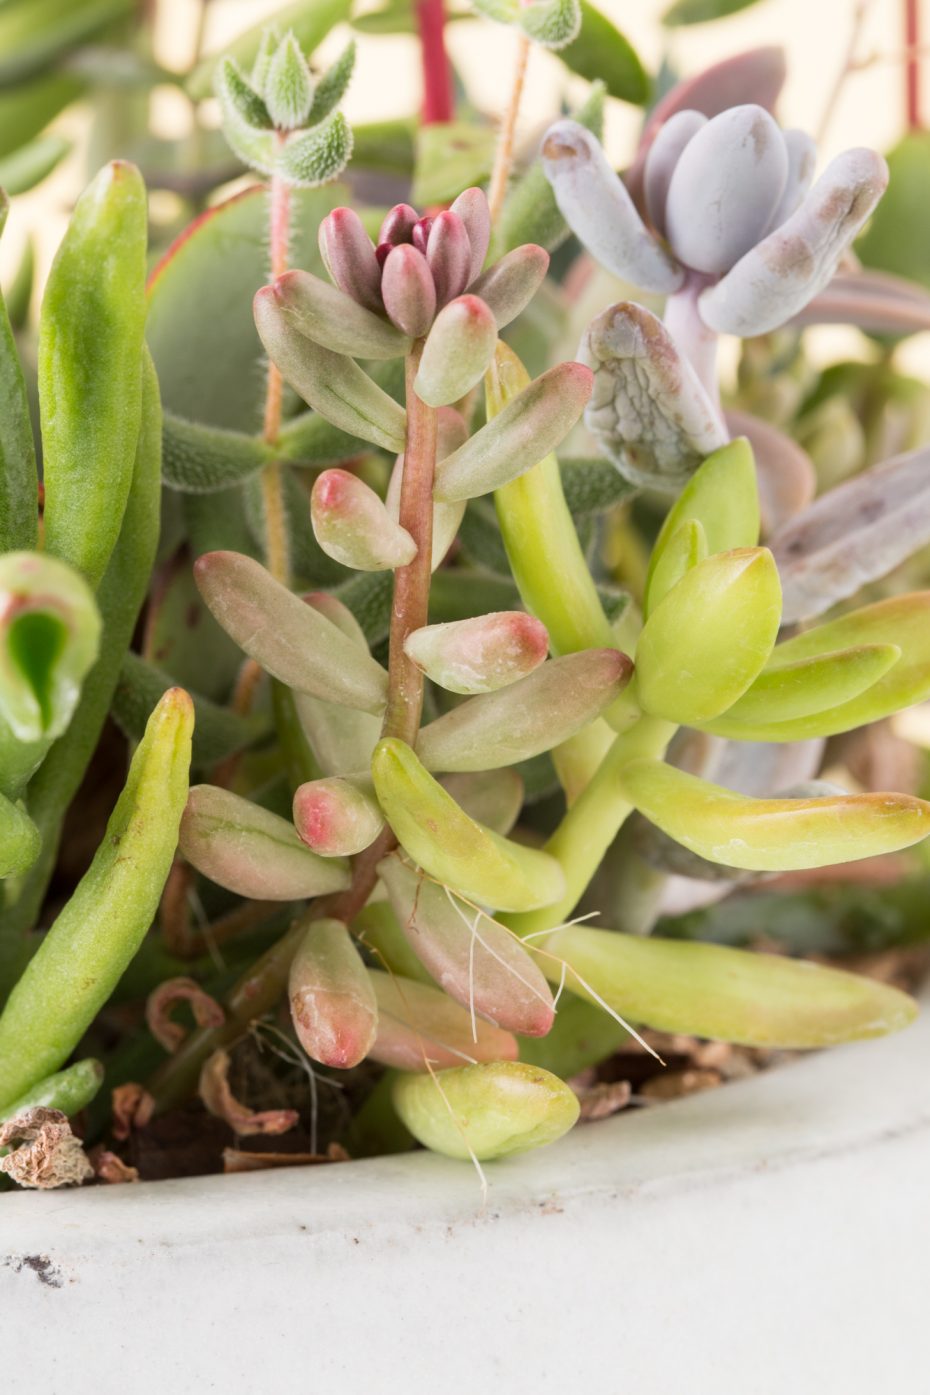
368 796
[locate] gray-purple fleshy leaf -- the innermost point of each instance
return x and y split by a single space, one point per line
648 409
777 277
664 154
725 189
801 150
853 535
785 472
875 301
757 75
594 202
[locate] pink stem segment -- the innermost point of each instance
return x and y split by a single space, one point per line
438 95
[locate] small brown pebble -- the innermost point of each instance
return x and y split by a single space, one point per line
678 1083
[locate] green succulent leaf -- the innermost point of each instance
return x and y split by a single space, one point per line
90 366
69 1090
710 637
894 239
288 86
420 1028
330 383
238 100
726 994
452 847
900 621
49 638
812 686
700 11
93 939
318 155
309 24
199 459
33 34
332 86
722 496
772 835
218 731
600 53
19 506
20 840
681 551
29 165
551 23
486 1111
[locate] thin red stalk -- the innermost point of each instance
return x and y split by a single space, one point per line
411 583
912 64
438 93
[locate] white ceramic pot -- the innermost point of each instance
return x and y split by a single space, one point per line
768 1238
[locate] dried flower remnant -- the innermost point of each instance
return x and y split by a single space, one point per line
132 1107
217 1095
207 1011
44 1152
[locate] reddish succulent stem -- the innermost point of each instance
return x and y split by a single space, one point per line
438 94
411 583
503 159
912 64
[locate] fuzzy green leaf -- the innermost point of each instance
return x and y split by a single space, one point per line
199 459
332 86
318 155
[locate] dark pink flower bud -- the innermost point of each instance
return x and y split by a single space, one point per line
419 233
349 257
448 253
408 290
398 224
472 207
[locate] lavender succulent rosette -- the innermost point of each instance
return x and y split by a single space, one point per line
741 240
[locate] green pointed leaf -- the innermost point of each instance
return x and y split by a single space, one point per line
772 835
450 846
238 100
19 505
310 25
90 944
20 840
551 23
522 433
333 385
288 87
199 459
486 1111
69 1090
727 994
23 170
533 715
723 497
90 366
601 53
700 11
332 86
709 637
681 551
810 686
902 621
318 155
218 731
